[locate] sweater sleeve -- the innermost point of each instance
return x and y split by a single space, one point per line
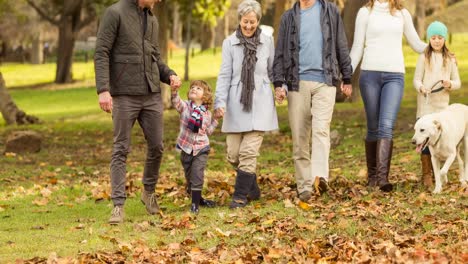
224 77
410 33
359 37
419 73
454 76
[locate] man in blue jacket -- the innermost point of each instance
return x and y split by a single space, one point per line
311 56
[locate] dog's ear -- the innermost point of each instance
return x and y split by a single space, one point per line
437 124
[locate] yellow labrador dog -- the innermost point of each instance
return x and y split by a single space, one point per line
443 133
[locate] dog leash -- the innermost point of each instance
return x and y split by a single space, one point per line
434 90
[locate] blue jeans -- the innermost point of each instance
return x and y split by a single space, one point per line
381 93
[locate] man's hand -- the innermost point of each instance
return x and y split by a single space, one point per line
346 89
105 101
219 112
175 82
280 94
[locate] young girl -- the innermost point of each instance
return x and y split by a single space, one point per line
196 123
435 76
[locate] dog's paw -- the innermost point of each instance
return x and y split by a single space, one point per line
437 190
464 184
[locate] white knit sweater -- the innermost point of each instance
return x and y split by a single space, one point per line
426 76
378 36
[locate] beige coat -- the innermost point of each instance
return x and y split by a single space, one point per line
426 76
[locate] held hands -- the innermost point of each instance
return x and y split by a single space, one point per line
105 101
346 89
280 94
175 82
219 113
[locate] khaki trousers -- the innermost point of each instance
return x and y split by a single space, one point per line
243 150
310 113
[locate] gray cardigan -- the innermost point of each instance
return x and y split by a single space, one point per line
229 87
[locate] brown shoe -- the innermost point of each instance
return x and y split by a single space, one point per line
320 185
427 172
149 200
305 196
117 215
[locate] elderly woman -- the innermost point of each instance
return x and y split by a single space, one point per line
245 99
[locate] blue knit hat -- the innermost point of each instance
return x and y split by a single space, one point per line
437 28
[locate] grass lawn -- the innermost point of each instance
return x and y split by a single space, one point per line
55 204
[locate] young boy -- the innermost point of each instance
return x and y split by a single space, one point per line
196 124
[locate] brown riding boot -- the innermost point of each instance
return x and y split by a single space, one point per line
384 158
427 172
371 160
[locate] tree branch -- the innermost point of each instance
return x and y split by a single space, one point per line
42 13
86 21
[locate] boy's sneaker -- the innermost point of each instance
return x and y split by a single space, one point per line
194 209
321 185
117 215
207 203
149 200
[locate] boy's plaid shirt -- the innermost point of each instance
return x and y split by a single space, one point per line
189 141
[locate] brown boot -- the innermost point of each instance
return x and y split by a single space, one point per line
427 172
371 160
384 157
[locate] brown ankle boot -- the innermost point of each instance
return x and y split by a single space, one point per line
371 161
384 158
427 172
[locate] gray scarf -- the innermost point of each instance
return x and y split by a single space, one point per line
248 66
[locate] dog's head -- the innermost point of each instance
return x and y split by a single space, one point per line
426 130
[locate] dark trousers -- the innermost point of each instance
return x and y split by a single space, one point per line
194 168
148 111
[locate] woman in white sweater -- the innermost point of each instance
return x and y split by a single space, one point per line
380 27
435 76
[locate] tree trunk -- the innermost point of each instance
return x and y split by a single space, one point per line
279 10
10 112
188 39
161 14
220 30
176 25
280 7
350 11
4 49
207 36
420 17
65 50
36 51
